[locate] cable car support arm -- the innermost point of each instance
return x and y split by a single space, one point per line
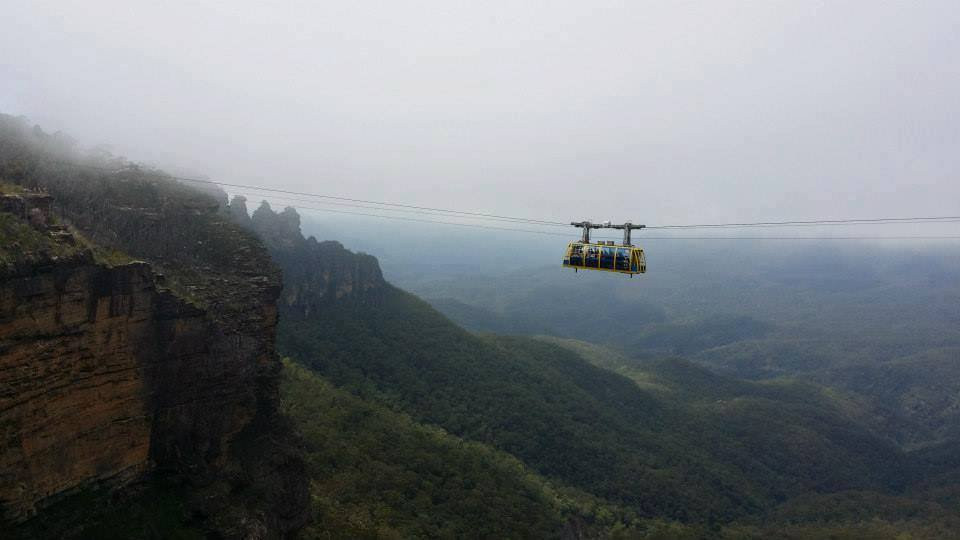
587 225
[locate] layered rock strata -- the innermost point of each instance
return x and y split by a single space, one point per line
315 273
108 370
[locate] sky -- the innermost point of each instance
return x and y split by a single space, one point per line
655 112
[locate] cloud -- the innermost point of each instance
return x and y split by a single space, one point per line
654 112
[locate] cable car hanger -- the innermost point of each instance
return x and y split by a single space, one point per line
586 226
605 255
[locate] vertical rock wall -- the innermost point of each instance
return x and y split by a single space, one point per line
73 406
314 273
111 371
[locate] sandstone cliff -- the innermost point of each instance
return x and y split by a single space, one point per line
113 371
315 274
72 405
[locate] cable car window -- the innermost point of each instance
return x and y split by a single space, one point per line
623 259
607 256
593 256
576 255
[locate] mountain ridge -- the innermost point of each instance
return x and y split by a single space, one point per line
169 362
737 454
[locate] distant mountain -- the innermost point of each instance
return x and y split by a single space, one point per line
924 387
753 403
665 439
878 321
315 273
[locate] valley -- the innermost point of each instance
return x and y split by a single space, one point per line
497 407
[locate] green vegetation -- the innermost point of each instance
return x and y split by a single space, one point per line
760 401
688 337
923 387
7 188
105 256
377 473
155 513
879 326
19 242
754 443
652 438
127 211
590 428
143 512
111 257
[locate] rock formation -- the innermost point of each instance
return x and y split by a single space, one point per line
314 273
113 369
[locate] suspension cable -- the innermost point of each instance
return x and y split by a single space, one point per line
461 214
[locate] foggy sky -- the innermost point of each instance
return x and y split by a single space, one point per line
659 112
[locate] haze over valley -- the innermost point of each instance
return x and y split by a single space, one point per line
312 271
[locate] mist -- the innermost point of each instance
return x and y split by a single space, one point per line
425 347
656 113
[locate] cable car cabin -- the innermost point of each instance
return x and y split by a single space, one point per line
605 256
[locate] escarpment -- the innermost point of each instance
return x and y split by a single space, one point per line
76 354
137 339
316 275
72 397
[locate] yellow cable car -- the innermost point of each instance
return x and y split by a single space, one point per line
623 258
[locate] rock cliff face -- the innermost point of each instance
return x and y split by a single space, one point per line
75 403
315 274
111 368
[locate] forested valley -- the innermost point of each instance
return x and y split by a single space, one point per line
569 270
745 405
748 397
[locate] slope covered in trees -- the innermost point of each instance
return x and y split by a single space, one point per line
878 321
665 439
137 345
415 427
590 427
376 473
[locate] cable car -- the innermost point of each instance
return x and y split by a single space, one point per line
624 258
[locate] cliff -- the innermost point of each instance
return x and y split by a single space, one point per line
114 371
315 274
75 404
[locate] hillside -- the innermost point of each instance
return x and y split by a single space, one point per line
445 270
137 334
163 408
878 322
376 472
666 439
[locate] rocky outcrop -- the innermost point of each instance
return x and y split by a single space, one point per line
75 403
110 371
315 274
27 206
279 230
238 213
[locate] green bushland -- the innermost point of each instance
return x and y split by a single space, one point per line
8 188
377 473
744 450
128 211
19 242
146 511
